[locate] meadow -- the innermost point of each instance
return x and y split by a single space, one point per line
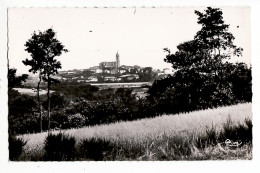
31 92
185 136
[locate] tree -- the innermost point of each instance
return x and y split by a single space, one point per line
207 56
34 46
44 48
240 76
211 45
13 80
202 70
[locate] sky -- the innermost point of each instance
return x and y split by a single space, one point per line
93 35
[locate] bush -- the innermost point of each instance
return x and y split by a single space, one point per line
76 120
95 149
16 146
28 123
59 119
59 147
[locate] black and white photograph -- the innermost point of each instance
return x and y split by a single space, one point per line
129 84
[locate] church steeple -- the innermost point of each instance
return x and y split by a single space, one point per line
117 61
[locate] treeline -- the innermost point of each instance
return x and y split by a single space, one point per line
184 92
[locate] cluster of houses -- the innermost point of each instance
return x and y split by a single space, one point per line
126 77
122 76
93 79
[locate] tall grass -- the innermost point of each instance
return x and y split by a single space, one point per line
195 135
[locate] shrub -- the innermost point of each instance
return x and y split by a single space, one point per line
95 148
59 119
59 147
76 120
27 123
16 146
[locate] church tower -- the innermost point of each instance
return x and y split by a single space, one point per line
117 61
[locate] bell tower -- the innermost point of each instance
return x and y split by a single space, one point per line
117 61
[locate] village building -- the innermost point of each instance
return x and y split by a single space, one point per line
114 71
93 69
121 70
98 70
114 65
129 77
80 80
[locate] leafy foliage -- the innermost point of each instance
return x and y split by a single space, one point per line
44 47
76 121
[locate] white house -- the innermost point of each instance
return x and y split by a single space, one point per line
110 78
98 70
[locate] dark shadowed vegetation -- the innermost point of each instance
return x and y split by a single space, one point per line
16 147
59 147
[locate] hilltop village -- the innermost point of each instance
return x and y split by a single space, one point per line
112 71
107 72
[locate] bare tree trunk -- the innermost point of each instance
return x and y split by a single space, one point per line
39 101
49 107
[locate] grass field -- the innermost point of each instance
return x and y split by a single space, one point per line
31 92
168 137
